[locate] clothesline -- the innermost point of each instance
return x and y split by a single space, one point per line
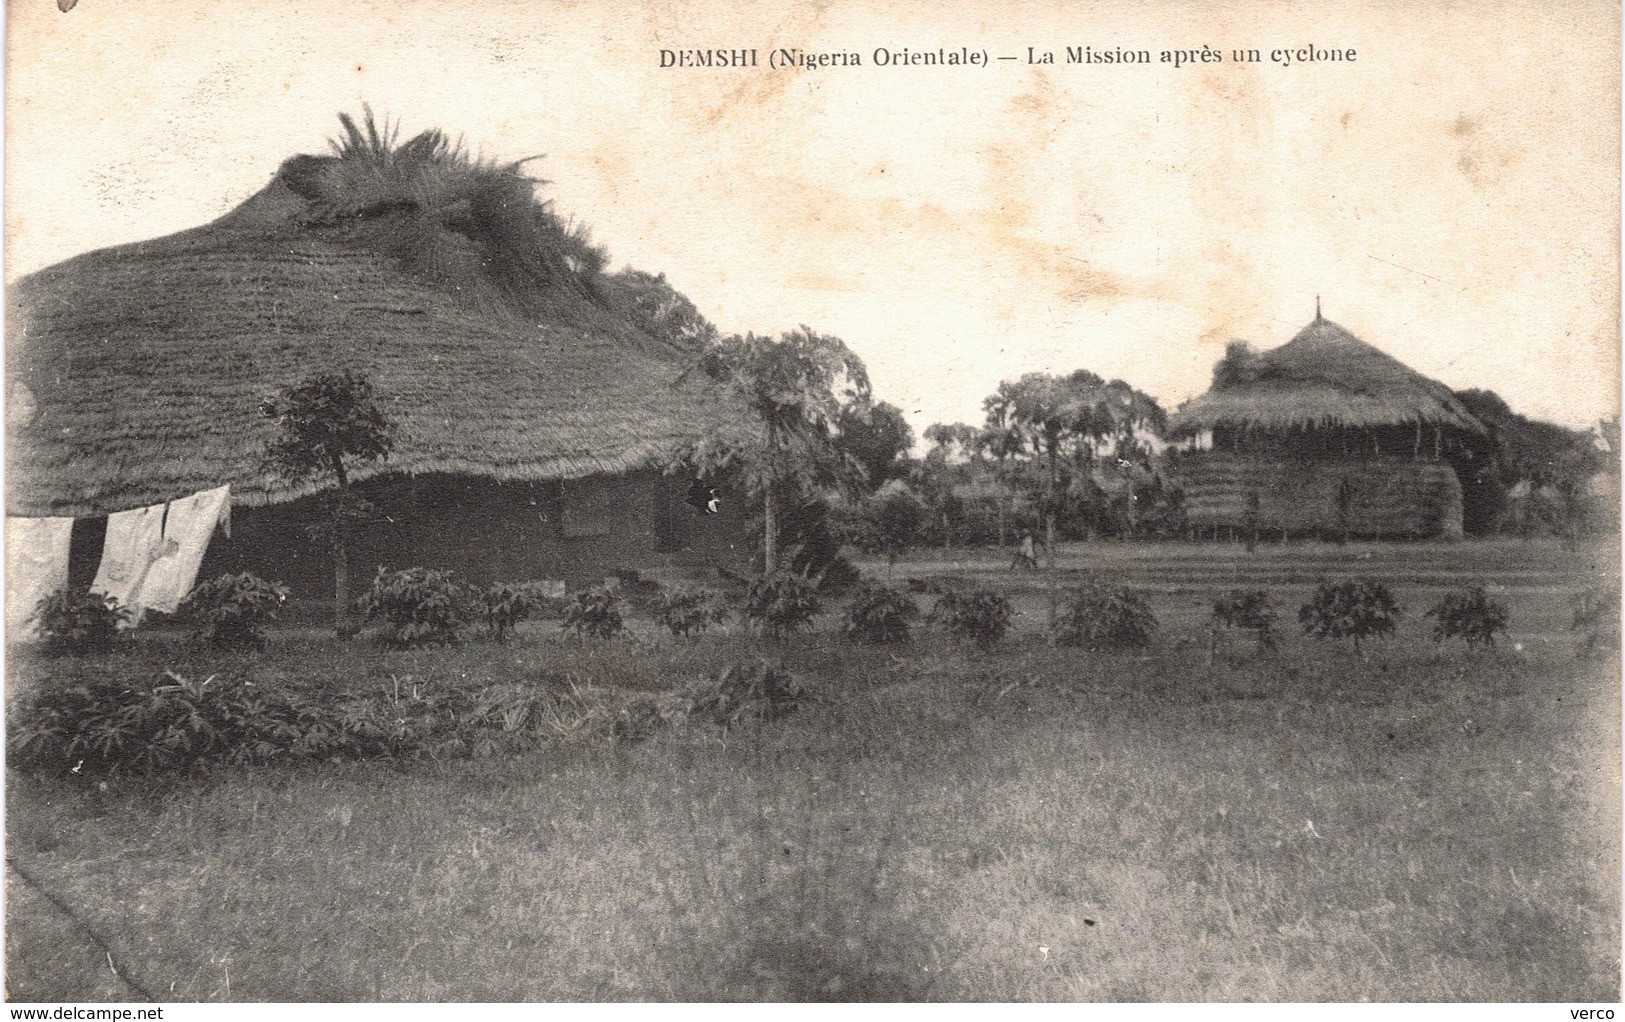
150 556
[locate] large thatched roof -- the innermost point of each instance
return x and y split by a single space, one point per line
135 373
1325 377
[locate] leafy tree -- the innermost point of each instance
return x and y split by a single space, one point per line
955 449
328 422
932 480
1240 365
891 521
877 438
659 310
953 441
1519 449
1064 425
1001 443
796 387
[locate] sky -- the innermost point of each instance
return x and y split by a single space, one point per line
1451 194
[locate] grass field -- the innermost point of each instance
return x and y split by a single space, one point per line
1030 823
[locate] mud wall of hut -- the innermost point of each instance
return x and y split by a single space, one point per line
1371 497
578 531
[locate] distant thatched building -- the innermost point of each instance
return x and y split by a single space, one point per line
534 419
1324 435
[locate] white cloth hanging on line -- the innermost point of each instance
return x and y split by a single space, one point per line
187 530
134 540
36 567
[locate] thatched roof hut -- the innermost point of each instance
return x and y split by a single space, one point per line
135 373
141 367
1324 435
1323 378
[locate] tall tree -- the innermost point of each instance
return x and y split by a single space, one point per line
1520 449
796 387
1001 443
952 445
1064 425
953 441
659 310
326 422
878 438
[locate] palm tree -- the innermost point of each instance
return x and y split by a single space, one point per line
796 388
1062 424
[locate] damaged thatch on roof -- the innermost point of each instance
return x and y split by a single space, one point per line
135 372
1325 377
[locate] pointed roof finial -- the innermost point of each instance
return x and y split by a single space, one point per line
1317 308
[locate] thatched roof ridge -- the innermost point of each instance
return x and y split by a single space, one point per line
1325 377
135 373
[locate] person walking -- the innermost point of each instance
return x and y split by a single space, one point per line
1026 554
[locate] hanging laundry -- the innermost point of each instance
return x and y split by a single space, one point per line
36 567
134 540
187 530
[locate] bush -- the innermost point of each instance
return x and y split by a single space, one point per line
419 606
890 522
1250 610
76 623
1357 609
1469 614
1100 615
982 615
780 604
105 724
742 692
1596 616
880 615
687 610
230 610
509 603
594 613
636 721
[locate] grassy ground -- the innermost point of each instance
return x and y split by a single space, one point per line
1031 823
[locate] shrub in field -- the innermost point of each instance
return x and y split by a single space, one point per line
880 615
690 610
1596 617
230 610
636 721
506 604
1250 610
107 724
780 604
419 606
594 613
1469 614
1100 615
746 692
981 615
889 523
71 622
1357 609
